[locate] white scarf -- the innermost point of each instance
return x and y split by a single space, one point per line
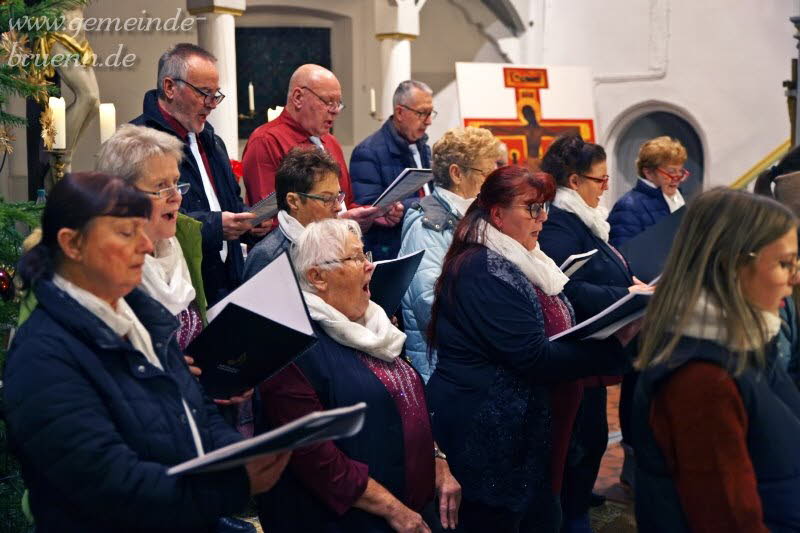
706 322
165 276
374 334
289 226
535 264
457 203
594 217
124 322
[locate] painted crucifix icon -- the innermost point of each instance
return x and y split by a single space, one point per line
528 135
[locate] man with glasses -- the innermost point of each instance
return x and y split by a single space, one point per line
400 143
313 104
187 92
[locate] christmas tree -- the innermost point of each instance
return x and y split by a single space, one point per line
24 27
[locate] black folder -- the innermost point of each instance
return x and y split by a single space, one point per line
647 252
253 332
407 182
314 427
391 279
264 210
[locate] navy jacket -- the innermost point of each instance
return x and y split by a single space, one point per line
340 378
489 394
265 252
773 439
637 210
96 426
603 280
219 279
374 165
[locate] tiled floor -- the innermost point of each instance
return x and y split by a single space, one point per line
616 516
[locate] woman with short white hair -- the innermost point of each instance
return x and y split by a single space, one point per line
384 478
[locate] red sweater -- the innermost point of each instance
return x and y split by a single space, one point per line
267 147
700 425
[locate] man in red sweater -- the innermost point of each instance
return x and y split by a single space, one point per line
313 103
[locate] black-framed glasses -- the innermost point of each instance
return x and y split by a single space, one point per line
208 98
601 179
536 210
333 107
360 257
422 115
327 199
169 192
481 171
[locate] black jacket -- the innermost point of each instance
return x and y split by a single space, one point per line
95 425
375 163
603 280
218 279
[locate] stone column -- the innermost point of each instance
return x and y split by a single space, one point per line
396 25
216 32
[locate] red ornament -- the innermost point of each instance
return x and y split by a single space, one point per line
6 285
238 169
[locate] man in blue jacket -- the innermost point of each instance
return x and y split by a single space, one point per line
400 143
188 91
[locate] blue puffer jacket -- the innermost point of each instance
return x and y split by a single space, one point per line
96 426
637 210
375 163
428 226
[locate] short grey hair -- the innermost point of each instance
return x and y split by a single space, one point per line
124 154
403 92
174 63
320 242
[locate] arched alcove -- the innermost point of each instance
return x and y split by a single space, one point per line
648 126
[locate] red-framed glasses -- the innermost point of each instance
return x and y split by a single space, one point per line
680 175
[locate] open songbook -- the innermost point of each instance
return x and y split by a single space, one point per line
253 332
574 262
607 322
391 279
406 183
264 209
314 427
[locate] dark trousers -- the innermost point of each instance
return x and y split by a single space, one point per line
626 406
587 446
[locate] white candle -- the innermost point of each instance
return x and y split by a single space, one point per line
108 121
59 108
251 97
272 114
372 109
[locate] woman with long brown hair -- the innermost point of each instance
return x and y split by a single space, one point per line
501 411
716 422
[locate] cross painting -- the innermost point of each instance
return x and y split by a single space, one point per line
526 107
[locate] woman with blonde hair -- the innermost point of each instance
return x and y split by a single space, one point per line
716 422
462 159
656 194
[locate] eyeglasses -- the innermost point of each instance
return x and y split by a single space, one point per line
423 115
360 257
792 266
677 175
327 199
535 210
208 98
169 192
333 107
601 179
483 172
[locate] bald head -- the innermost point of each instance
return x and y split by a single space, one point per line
313 98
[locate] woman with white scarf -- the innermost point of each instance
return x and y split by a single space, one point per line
716 418
498 395
385 478
462 159
577 224
148 159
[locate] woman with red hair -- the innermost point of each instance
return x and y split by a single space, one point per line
502 395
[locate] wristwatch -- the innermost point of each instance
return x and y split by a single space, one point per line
438 454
